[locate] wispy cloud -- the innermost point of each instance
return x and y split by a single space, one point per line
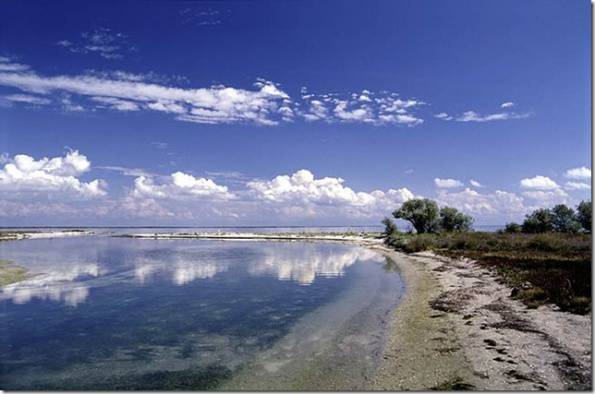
473 116
135 172
443 116
201 16
577 186
103 42
25 98
159 144
447 183
215 104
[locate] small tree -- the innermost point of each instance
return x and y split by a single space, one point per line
389 226
564 219
453 220
585 214
421 213
512 228
539 221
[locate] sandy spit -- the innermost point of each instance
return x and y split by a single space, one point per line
13 236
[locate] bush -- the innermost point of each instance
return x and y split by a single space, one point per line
418 243
453 220
512 228
389 227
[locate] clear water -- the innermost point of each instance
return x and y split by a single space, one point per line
117 313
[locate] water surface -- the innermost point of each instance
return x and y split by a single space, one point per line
120 313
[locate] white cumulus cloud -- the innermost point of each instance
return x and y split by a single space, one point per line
24 174
180 186
539 182
301 194
578 173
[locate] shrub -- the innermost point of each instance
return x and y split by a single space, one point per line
389 227
512 228
419 243
453 220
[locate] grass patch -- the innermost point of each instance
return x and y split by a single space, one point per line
10 273
541 268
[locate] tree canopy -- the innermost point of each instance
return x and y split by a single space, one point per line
565 220
451 219
585 214
538 221
421 213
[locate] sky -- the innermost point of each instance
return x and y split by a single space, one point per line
225 113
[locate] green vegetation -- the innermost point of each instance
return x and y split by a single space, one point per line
422 213
585 214
561 219
10 273
453 220
425 217
389 227
547 259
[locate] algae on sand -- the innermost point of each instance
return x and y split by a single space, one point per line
10 273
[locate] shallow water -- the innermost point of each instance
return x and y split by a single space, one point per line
120 313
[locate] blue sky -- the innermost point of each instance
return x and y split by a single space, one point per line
289 112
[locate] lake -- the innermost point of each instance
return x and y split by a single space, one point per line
105 313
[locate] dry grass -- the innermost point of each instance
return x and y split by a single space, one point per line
542 268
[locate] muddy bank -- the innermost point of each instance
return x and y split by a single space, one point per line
459 328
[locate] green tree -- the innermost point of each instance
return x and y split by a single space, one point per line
512 228
451 219
539 221
564 219
585 214
421 213
389 226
